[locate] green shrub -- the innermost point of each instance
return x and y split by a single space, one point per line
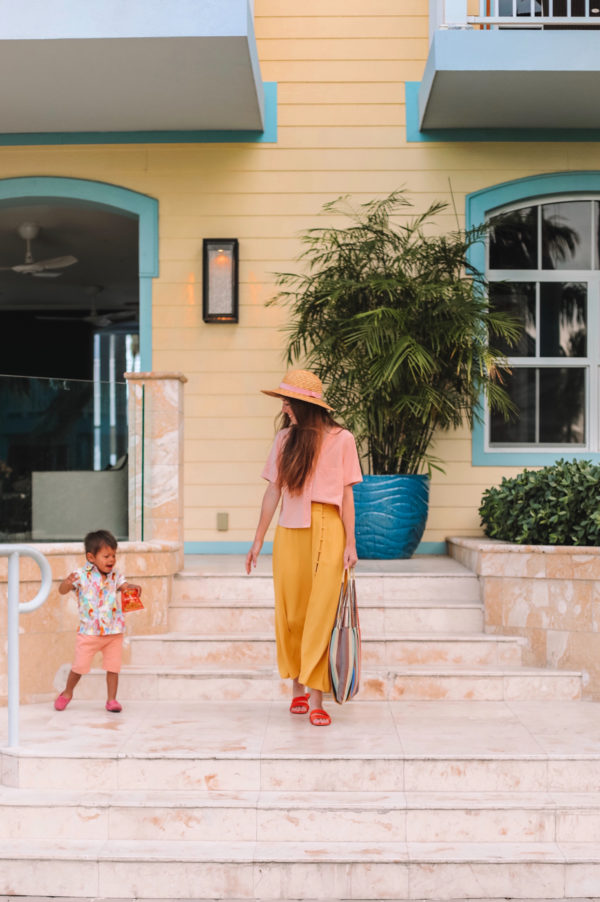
558 505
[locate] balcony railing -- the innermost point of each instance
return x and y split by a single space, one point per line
538 14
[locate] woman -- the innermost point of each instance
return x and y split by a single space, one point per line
312 467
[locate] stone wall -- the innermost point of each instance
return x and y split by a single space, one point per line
548 594
47 636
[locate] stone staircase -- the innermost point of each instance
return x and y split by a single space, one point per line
458 774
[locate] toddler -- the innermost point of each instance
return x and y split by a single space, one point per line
101 620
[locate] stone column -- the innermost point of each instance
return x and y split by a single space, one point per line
156 457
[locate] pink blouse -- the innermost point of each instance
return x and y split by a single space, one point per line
337 466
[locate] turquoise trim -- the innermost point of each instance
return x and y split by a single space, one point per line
244 547
145 294
108 197
414 134
432 548
223 547
267 135
478 205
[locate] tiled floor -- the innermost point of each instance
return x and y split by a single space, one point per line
265 728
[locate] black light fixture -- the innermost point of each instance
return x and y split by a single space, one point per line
220 280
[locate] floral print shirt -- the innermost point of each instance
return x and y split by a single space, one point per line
99 601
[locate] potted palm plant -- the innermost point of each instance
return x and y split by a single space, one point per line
397 324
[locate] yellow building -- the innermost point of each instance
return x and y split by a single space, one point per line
159 131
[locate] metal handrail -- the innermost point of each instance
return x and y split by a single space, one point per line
15 608
535 21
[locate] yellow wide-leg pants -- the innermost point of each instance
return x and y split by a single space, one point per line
307 573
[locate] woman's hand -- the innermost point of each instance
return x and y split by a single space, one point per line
267 509
350 556
252 556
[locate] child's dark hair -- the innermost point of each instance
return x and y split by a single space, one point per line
94 541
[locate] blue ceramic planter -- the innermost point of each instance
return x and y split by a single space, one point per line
391 512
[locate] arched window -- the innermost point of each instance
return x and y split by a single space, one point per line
543 266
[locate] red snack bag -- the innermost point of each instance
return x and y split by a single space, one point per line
130 600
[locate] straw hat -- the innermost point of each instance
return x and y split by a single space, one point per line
302 385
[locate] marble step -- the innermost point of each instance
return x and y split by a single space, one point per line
395 899
264 871
225 770
452 682
394 617
442 747
300 817
246 651
385 587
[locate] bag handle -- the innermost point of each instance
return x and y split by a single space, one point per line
347 612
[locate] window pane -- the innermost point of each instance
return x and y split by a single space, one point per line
513 239
518 299
562 406
520 385
566 235
563 319
524 7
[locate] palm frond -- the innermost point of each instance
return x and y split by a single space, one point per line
397 323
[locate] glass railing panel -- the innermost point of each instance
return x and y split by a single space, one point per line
64 458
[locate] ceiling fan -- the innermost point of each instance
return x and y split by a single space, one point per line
100 320
39 268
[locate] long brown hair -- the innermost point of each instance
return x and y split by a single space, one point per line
300 450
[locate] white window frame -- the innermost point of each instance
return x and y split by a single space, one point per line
590 363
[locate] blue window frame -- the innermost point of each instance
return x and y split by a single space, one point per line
542 365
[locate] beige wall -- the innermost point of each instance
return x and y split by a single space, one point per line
341 67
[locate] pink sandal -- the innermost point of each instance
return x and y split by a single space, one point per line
300 703
61 702
113 706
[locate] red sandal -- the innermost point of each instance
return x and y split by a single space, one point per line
300 703
319 718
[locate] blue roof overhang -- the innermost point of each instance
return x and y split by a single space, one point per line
511 79
140 65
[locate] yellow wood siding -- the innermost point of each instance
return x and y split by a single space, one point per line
340 67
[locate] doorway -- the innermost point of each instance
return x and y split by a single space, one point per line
73 271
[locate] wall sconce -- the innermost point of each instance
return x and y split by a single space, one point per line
220 280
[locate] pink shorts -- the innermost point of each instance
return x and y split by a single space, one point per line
87 646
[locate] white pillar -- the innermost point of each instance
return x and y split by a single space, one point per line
436 17
455 13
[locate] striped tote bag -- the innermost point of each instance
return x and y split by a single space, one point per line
344 647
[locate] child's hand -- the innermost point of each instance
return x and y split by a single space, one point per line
68 584
131 586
